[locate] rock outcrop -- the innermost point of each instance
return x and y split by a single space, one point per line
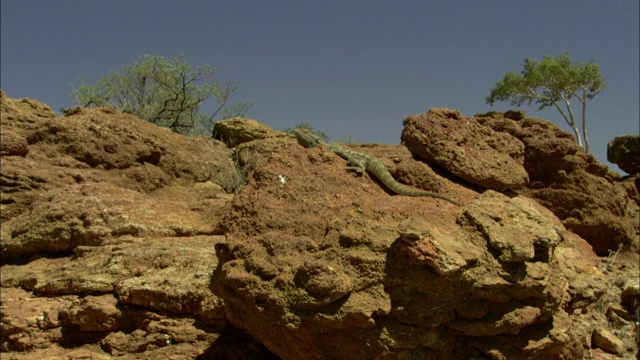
236 131
356 273
624 151
467 149
119 239
583 193
109 227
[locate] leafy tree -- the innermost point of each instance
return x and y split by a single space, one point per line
164 92
554 81
307 126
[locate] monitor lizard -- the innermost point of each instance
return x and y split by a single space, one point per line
359 162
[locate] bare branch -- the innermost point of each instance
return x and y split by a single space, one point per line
550 81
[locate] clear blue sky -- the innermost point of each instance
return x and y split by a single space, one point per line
350 68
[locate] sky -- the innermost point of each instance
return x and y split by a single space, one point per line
352 69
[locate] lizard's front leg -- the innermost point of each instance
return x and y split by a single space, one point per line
356 165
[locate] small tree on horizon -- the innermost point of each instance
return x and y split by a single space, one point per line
554 81
164 92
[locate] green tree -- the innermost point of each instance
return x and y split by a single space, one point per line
166 92
554 81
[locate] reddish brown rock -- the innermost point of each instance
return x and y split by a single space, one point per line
514 114
466 149
30 322
12 144
605 340
109 226
580 191
24 110
360 273
113 254
95 171
236 131
624 151
96 313
96 214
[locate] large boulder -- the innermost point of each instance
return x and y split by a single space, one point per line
95 170
624 151
466 149
583 193
109 227
358 273
115 232
236 131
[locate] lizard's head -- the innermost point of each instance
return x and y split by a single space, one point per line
306 138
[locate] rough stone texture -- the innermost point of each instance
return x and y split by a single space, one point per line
624 151
605 340
515 114
467 149
359 273
12 144
583 193
491 114
109 226
510 114
91 214
114 254
24 109
630 297
631 185
236 131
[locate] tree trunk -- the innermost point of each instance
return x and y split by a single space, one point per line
584 123
570 120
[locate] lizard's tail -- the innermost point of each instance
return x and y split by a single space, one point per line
407 191
400 189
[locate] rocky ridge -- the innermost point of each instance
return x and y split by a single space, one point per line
119 240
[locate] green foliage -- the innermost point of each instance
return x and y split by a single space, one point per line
164 92
554 81
306 126
243 166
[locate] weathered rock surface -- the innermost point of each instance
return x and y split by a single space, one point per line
357 273
109 226
236 131
115 232
624 151
12 143
583 193
466 149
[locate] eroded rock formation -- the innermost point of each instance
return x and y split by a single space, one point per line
624 151
583 193
118 239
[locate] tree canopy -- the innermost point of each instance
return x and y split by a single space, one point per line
553 81
166 92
